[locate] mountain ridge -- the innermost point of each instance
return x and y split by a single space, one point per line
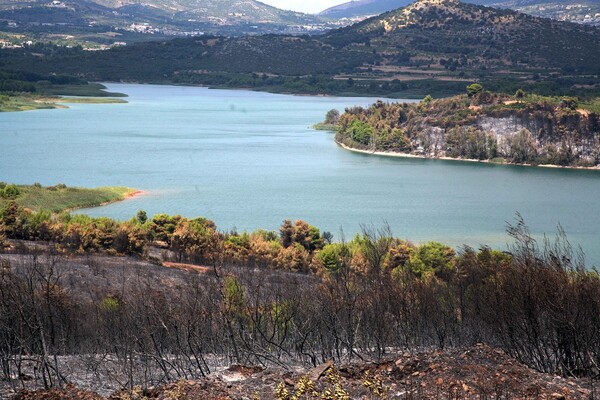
583 11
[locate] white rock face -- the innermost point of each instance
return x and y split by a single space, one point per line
506 126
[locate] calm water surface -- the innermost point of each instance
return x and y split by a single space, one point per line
249 160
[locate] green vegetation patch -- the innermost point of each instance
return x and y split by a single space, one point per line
60 197
24 103
90 100
592 105
325 127
79 89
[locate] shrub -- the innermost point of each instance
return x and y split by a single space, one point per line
474 89
360 132
10 192
571 103
331 256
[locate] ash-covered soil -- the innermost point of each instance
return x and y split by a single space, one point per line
478 372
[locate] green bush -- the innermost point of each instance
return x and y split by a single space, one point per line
10 192
331 256
432 257
360 132
474 89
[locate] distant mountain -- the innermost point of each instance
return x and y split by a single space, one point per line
361 8
582 11
181 14
232 11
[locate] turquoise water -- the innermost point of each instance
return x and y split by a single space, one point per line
249 160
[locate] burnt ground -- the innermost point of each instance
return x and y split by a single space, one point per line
88 276
478 372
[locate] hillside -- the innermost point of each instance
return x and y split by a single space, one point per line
151 17
220 11
581 11
473 37
430 47
483 126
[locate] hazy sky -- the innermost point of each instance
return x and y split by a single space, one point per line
307 6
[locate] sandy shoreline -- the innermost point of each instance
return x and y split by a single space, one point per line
134 194
127 196
408 155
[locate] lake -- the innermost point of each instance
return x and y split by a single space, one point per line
249 160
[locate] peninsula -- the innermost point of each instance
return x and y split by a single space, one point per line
60 198
479 126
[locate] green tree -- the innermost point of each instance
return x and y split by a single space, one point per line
162 227
235 295
474 89
193 238
360 132
331 256
141 217
432 257
307 236
10 192
523 147
519 95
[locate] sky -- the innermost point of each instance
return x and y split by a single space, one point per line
307 6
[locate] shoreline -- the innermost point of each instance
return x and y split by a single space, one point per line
133 194
445 158
27 103
409 97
